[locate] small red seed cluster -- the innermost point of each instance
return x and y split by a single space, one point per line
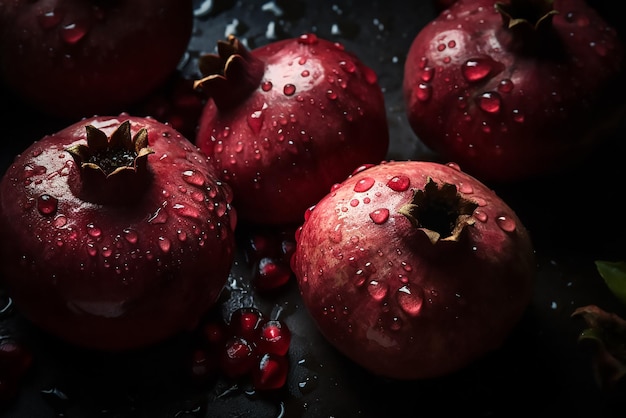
250 346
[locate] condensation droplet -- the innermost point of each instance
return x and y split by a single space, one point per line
399 183
130 235
93 230
164 244
480 215
73 32
308 39
410 300
377 290
490 102
48 20
266 86
379 216
193 177
47 205
506 223
505 86
423 92
466 188
364 184
289 89
476 69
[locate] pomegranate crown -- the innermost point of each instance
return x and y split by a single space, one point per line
112 155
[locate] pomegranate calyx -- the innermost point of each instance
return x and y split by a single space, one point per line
112 155
230 75
534 14
440 212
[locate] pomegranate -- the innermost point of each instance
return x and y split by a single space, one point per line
285 121
72 58
414 269
115 233
516 89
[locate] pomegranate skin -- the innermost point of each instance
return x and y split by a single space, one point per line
401 303
117 275
296 116
514 103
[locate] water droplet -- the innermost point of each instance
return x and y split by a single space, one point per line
364 184
399 183
505 86
354 203
309 384
48 20
454 166
331 95
423 92
130 235
379 216
91 249
308 39
477 69
60 221
266 86
480 215
289 89
506 223
93 230
490 102
193 177
73 32
255 121
370 75
466 188
427 74
47 205
348 66
164 244
304 73
335 234
377 289
410 300
518 116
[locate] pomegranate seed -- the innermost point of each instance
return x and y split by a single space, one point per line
271 274
271 372
274 337
245 322
237 358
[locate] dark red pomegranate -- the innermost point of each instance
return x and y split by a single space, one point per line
287 120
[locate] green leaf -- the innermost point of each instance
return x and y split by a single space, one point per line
614 275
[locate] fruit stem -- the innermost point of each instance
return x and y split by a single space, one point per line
529 20
111 169
440 212
230 75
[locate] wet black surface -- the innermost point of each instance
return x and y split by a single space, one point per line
574 218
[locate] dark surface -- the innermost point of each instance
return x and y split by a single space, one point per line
574 218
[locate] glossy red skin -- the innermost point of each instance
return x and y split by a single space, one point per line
472 291
129 49
94 286
557 110
306 141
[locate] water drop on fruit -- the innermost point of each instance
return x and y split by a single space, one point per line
505 86
48 20
130 235
46 204
480 215
255 121
93 230
477 69
164 244
423 92
518 116
410 300
364 184
331 95
73 32
289 89
308 39
506 223
490 102
347 66
377 289
399 183
266 86
379 216
193 177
